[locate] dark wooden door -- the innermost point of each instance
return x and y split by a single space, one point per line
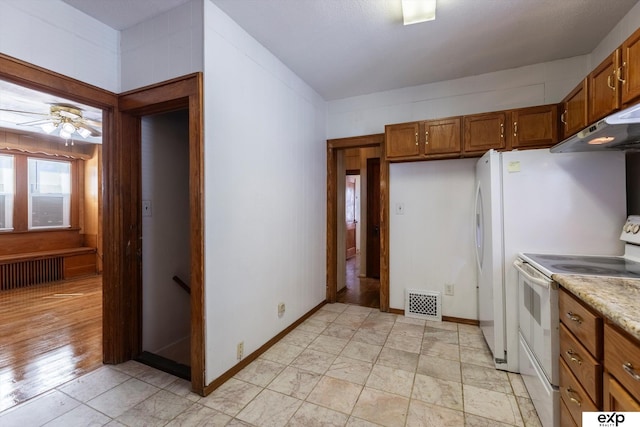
350 215
373 217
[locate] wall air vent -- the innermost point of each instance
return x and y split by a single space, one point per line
423 304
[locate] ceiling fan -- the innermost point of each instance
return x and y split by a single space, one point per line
66 120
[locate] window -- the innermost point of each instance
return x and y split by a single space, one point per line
7 189
49 193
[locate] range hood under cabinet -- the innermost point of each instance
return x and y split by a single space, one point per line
619 131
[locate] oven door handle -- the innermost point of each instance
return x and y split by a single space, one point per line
542 282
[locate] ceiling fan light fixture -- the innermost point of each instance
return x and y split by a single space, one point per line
416 11
64 134
68 127
83 132
48 127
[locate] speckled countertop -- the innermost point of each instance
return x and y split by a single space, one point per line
615 298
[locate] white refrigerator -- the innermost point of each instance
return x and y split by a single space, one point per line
539 202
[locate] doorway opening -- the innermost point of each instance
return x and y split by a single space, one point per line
53 226
166 260
178 170
354 232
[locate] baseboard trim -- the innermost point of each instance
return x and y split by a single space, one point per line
253 356
462 320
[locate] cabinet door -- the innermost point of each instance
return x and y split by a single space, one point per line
442 136
534 127
483 132
616 398
401 140
574 114
604 88
629 71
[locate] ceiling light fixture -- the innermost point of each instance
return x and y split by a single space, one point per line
416 11
65 129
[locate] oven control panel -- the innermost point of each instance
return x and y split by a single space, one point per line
631 230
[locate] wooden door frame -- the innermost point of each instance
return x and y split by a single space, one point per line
333 147
172 95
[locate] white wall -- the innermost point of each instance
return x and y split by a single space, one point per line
619 34
167 46
55 36
431 243
165 232
265 173
520 87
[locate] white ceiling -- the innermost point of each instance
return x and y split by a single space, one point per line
345 48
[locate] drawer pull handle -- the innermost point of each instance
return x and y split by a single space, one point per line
574 317
571 392
573 358
628 367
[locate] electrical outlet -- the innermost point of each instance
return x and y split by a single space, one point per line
281 309
448 289
240 350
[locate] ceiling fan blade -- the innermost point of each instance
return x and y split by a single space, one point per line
37 122
31 113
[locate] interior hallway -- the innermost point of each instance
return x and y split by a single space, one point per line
345 366
362 291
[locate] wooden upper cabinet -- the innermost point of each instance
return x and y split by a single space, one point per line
534 127
484 131
604 88
573 115
629 71
442 136
419 140
402 140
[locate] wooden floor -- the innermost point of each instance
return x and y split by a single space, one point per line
362 291
49 334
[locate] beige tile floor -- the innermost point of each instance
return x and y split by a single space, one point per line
345 366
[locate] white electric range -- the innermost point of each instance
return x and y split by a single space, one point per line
538 312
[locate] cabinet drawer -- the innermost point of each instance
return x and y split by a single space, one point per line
616 398
565 416
573 395
582 322
583 366
622 359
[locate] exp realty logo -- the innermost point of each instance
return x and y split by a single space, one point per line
610 419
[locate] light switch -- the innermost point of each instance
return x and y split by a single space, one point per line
146 208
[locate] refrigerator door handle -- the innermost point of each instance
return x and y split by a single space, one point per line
479 227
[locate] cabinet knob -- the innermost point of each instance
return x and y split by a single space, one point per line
611 86
563 117
416 138
501 130
515 128
426 137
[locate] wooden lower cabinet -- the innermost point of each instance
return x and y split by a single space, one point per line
574 396
616 398
590 383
